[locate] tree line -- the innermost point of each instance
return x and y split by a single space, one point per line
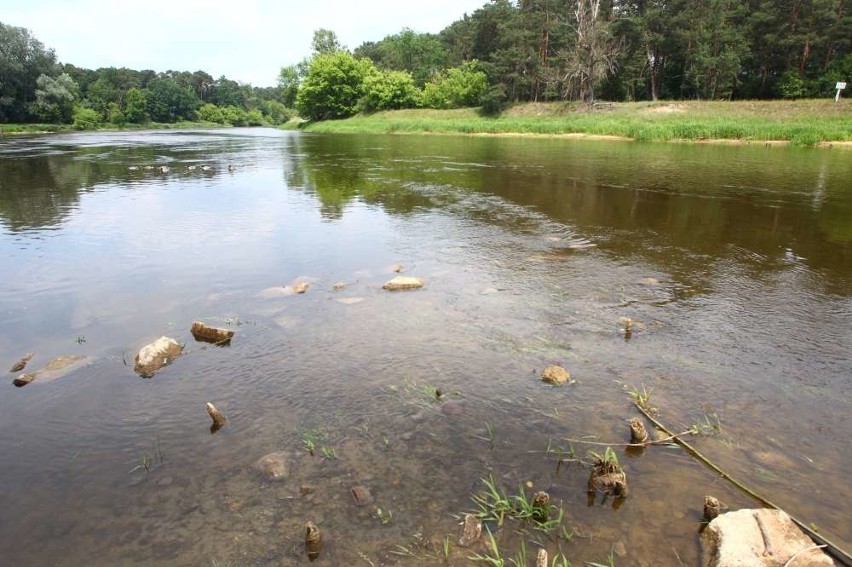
36 87
504 52
620 50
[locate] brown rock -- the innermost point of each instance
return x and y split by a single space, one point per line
23 380
301 287
638 433
471 530
712 507
313 540
362 495
208 334
21 364
217 417
274 466
154 356
758 538
56 368
555 375
403 282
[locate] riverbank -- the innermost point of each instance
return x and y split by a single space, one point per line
800 123
51 128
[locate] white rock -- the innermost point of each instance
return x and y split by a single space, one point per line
154 356
403 282
758 538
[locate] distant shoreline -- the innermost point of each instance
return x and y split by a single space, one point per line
807 123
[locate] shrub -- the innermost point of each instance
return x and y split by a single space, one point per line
86 118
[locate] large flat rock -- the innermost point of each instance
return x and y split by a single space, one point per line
758 538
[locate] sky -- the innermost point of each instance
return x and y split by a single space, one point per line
247 41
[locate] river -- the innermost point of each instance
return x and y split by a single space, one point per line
734 264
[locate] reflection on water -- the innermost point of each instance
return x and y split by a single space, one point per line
734 263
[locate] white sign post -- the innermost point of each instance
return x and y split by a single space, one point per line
839 87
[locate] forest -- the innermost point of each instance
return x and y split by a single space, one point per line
502 53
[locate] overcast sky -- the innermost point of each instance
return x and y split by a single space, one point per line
246 40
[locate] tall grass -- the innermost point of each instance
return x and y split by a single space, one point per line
803 123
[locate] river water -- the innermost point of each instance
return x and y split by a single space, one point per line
735 264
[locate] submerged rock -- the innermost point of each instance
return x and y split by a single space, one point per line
22 363
397 268
362 495
274 466
350 300
403 282
56 368
313 540
208 334
154 356
471 530
758 538
339 285
555 375
301 287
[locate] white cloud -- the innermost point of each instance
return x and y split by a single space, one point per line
247 41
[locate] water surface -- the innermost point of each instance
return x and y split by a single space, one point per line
735 264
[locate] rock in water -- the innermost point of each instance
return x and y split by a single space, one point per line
758 538
23 380
403 282
362 495
638 433
214 335
313 540
274 466
154 356
217 417
471 530
541 558
21 364
301 287
712 507
56 368
555 375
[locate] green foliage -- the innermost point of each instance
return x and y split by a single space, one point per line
493 101
54 98
211 113
86 118
791 85
136 106
115 115
169 102
324 42
457 87
275 112
23 59
289 80
389 90
421 54
333 86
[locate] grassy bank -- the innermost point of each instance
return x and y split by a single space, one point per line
46 128
804 123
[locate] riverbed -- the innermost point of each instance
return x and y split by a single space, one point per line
734 265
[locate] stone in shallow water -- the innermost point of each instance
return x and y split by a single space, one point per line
758 538
471 530
555 375
155 355
274 466
56 368
403 282
350 300
362 495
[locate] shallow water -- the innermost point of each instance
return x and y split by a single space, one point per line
735 263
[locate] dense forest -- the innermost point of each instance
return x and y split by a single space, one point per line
504 52
36 87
